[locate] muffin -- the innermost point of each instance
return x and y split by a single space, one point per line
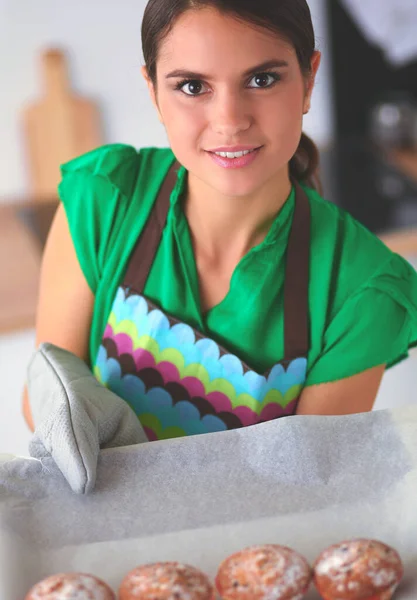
358 570
264 572
71 586
166 581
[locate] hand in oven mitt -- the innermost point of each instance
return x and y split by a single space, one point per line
75 416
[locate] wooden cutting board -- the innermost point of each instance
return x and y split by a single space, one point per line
58 127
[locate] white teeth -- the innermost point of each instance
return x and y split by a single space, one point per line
233 154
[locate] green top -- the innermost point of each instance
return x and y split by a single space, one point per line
362 297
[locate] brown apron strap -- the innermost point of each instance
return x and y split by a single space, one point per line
297 270
297 277
143 256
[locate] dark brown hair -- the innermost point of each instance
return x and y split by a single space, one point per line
289 18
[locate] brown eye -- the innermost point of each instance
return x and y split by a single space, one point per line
195 87
264 80
191 88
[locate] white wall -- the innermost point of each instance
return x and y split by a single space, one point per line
320 121
103 39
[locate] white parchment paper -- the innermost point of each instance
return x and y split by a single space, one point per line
305 482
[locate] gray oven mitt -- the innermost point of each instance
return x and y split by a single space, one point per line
75 416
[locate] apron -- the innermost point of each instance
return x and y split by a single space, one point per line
180 382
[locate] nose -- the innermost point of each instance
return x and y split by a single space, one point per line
230 115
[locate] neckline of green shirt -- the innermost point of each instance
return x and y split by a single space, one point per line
277 232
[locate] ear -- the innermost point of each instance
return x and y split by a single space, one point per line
315 64
152 91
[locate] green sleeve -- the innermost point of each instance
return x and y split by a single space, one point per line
377 325
94 191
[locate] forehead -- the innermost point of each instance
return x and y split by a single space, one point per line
204 37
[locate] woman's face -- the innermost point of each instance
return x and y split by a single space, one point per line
224 85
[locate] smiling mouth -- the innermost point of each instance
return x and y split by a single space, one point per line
234 154
235 160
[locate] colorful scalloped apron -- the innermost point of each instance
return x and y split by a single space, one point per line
180 382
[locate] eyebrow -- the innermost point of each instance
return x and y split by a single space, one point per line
269 64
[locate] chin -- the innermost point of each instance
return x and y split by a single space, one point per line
239 185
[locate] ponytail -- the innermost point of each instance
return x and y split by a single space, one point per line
304 166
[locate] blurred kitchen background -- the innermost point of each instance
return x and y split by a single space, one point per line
70 81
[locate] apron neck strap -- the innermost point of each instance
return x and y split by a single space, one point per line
297 278
143 256
297 270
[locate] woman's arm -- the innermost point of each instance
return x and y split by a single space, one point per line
65 303
355 394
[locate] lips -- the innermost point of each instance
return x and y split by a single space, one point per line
235 163
234 149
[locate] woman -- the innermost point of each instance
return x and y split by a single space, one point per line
222 291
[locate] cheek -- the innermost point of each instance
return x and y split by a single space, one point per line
282 118
286 109
183 120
